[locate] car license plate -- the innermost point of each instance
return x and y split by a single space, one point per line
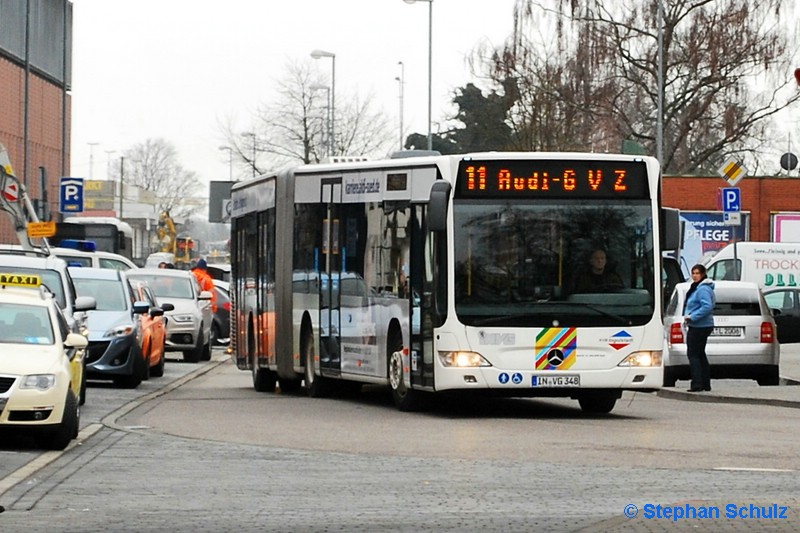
726 332
557 381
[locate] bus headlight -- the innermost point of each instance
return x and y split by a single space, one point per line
462 359
643 358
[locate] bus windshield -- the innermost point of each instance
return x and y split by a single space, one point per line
524 263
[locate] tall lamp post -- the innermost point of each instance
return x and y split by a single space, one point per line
401 81
230 161
316 54
430 62
253 135
91 159
329 140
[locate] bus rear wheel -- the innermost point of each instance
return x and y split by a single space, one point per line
264 379
316 386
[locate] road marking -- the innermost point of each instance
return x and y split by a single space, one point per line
738 469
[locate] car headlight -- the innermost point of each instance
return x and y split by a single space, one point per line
120 331
38 381
643 358
462 359
183 319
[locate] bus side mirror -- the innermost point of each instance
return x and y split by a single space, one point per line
437 206
671 229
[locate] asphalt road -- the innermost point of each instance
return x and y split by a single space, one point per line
211 454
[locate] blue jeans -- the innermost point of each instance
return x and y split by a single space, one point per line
699 369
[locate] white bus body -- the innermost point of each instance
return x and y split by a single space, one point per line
450 274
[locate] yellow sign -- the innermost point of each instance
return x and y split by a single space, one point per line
20 280
41 229
732 172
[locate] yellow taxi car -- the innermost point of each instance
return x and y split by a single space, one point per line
41 364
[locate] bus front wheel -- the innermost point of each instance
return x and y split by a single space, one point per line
598 403
405 399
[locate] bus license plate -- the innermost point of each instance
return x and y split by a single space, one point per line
557 381
726 332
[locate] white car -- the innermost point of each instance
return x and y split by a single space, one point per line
189 323
41 364
744 342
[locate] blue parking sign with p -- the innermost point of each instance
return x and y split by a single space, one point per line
71 195
731 199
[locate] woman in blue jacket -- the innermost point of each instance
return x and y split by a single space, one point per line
699 322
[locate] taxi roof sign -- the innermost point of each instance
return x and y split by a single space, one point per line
20 280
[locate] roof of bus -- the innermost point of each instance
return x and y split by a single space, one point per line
442 161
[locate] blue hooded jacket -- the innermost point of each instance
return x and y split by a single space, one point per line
700 305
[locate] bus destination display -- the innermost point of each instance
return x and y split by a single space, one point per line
552 178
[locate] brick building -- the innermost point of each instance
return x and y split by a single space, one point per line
764 198
34 98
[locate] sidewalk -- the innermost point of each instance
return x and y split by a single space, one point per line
743 391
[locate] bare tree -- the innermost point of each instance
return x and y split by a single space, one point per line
591 82
153 166
296 126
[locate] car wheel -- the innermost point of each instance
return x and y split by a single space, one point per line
158 370
67 429
214 340
194 355
770 378
82 399
137 373
669 377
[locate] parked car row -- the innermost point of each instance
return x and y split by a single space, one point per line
63 320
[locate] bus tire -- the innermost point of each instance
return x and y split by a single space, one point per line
316 386
264 379
405 399
598 403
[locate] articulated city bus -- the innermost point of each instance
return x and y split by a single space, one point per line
452 274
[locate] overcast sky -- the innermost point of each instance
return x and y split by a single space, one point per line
178 68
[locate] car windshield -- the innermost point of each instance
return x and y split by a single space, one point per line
109 294
25 324
50 278
167 286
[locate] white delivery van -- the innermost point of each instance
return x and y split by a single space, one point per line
769 264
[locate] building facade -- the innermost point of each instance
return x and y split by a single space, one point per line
35 80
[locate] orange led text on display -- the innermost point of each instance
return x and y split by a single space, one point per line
542 181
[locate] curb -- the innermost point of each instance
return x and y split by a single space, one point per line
714 397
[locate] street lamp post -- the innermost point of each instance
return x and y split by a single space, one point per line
253 135
91 159
401 81
329 140
430 63
316 54
230 161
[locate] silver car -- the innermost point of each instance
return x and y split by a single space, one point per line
189 324
743 345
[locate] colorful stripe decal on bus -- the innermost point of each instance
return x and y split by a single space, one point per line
556 348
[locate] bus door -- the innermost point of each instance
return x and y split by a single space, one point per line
330 297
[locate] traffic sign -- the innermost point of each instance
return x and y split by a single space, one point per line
41 229
71 195
731 199
732 172
732 218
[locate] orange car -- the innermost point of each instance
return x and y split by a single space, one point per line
154 328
